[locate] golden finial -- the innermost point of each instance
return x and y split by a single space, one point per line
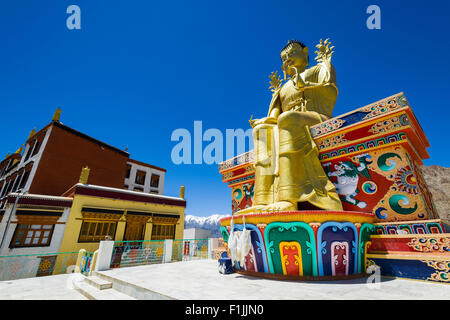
57 114
182 189
32 133
19 151
84 175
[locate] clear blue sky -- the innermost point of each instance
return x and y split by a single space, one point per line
137 70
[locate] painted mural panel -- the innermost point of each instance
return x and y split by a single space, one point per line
291 248
427 270
337 248
340 258
382 182
242 196
291 258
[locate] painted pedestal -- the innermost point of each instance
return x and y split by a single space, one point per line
373 156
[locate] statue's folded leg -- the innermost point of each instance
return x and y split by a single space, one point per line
265 146
302 179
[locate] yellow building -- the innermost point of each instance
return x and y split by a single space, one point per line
98 212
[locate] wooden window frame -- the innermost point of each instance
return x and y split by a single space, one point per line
134 226
94 237
26 231
139 174
158 180
161 234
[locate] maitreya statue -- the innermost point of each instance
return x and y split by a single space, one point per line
288 174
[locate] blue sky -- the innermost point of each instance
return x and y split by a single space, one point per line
138 70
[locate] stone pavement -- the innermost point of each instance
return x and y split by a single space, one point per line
200 280
40 288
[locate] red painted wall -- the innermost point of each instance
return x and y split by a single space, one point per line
66 153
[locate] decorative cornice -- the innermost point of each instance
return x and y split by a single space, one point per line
119 194
146 165
40 200
315 216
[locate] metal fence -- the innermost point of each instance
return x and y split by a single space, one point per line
134 253
125 254
190 249
36 265
86 262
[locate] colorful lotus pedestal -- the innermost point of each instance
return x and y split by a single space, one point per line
372 155
304 244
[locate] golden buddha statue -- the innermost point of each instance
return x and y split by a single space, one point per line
288 173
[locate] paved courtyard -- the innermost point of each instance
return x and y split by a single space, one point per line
41 288
200 280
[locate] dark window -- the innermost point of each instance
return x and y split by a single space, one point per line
140 177
128 171
36 148
154 182
4 190
139 189
24 180
7 166
16 182
8 188
32 235
30 147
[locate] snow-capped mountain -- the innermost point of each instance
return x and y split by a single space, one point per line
208 223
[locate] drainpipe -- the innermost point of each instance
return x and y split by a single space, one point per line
10 216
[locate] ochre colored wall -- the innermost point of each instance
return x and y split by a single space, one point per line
63 158
70 239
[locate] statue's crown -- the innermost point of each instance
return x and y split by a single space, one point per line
292 43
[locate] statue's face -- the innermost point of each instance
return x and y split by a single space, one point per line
295 56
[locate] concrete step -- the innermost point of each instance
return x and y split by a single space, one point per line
92 293
99 283
131 289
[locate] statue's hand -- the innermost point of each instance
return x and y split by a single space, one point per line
299 108
256 122
267 120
